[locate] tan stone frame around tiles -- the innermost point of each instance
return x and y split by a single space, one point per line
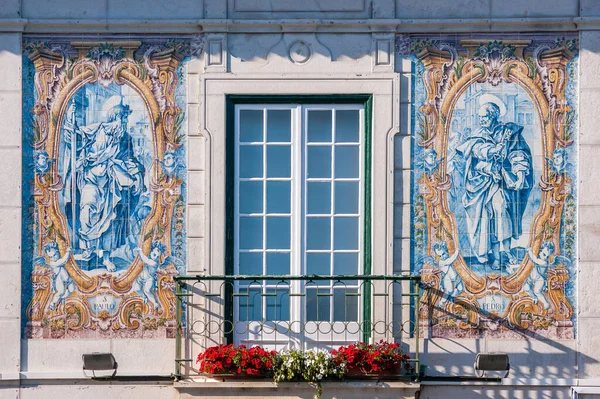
57 79
445 80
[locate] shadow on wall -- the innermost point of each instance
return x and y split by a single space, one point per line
299 47
532 355
441 392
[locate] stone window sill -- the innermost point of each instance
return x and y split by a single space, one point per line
212 388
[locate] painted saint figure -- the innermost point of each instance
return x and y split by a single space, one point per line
498 179
108 179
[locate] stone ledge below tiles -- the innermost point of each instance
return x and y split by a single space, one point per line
247 389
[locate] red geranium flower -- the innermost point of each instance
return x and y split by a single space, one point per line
227 359
383 357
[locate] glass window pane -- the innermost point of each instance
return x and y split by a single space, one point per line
319 197
278 232
251 125
278 197
251 161
346 233
278 305
279 125
251 232
318 233
278 161
319 126
319 264
250 308
317 304
345 305
319 162
346 161
347 126
251 197
278 263
345 264
251 263
346 197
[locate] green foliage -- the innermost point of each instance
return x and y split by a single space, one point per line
178 135
572 44
423 130
106 49
531 66
419 223
495 50
570 127
418 45
313 365
458 66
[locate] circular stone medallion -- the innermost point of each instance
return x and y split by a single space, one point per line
300 53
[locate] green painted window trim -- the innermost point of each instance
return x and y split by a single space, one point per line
230 102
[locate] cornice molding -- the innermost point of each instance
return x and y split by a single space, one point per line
66 26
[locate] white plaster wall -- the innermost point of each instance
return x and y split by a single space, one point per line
111 9
96 390
191 10
522 392
56 359
461 9
589 207
243 63
531 360
298 390
10 207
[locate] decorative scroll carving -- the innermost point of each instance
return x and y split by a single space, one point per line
105 301
541 72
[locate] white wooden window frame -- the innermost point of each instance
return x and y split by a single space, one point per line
310 332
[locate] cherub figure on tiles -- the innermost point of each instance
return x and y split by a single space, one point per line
431 161
146 283
536 284
42 165
42 162
559 162
62 284
171 164
451 284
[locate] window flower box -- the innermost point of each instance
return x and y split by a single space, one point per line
383 360
237 362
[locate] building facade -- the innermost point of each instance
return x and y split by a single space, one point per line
150 149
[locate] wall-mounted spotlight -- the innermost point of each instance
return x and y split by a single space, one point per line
103 363
491 362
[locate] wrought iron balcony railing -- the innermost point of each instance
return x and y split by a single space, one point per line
302 312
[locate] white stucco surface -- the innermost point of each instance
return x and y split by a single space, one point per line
241 62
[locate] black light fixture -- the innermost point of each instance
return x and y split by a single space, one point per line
100 362
491 362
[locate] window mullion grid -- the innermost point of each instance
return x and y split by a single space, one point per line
361 205
236 216
264 217
304 205
332 217
294 224
299 209
299 205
